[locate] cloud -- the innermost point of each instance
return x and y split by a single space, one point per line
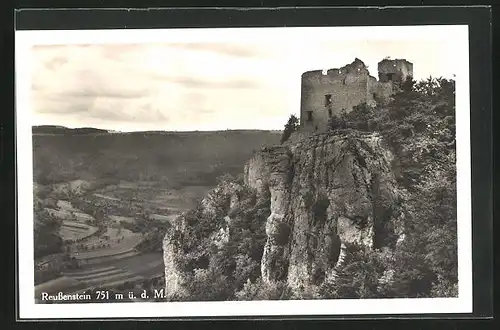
112 110
227 49
61 105
145 85
192 82
195 85
106 93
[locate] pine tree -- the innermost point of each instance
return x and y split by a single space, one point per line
291 126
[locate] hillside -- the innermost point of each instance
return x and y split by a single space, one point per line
181 158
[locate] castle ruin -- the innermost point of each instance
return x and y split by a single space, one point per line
328 93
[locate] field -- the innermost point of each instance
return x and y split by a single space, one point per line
153 195
66 211
66 206
106 257
60 214
111 242
120 219
106 197
73 230
109 191
163 218
60 284
108 275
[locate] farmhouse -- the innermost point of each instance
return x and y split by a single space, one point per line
325 93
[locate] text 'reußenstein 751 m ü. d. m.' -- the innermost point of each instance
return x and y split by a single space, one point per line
103 295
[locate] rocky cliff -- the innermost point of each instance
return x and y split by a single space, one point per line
324 192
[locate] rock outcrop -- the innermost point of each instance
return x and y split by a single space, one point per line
326 191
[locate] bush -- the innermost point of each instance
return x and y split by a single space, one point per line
229 265
263 291
208 285
337 122
246 269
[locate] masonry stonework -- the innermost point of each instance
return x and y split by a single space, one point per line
328 93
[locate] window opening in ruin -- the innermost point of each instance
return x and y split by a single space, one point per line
374 95
328 99
309 115
389 76
343 81
329 112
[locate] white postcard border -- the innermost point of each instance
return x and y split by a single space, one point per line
28 309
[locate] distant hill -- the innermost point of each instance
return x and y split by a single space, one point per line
50 129
62 154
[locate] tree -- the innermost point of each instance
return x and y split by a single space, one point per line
291 126
407 85
47 239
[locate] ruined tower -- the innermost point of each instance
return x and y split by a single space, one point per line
328 93
397 70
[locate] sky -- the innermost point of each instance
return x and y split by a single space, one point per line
202 84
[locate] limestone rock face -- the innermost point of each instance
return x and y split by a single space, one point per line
173 274
326 191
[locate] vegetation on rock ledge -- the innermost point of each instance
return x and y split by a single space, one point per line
219 271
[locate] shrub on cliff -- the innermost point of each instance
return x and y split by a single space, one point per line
246 269
291 126
259 290
208 285
358 278
153 238
225 266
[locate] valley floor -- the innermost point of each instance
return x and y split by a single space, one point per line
102 253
